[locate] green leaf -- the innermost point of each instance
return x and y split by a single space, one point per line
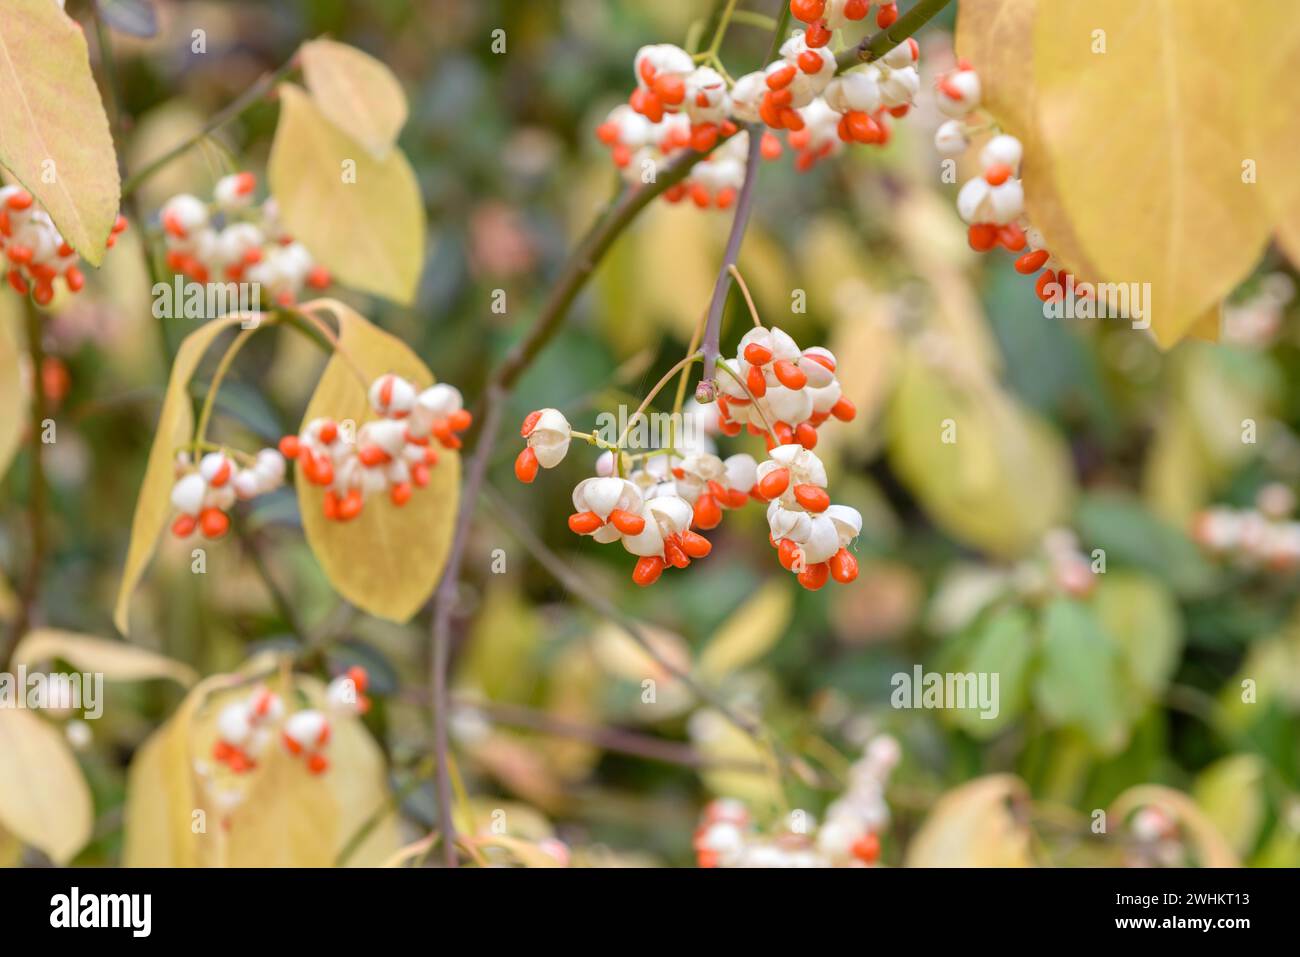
1131 535
1142 619
1003 645
1078 684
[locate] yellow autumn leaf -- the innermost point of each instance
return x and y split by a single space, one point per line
995 36
116 660
11 849
174 429
13 396
388 559
182 810
54 135
1146 142
730 753
985 468
750 632
360 217
44 800
979 824
356 92
1269 103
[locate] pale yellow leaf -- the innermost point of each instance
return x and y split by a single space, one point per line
982 823
54 135
115 660
1213 850
174 429
1231 792
525 852
356 92
13 394
1146 143
44 800
387 560
750 632
360 217
985 468
997 37
278 815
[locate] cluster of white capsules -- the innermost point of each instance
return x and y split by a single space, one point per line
680 105
1264 536
849 837
993 203
35 251
232 239
780 391
392 453
204 495
246 728
811 536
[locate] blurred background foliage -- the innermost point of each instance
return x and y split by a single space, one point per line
1063 424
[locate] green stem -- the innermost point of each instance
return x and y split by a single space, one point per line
37 502
681 366
878 44
720 31
201 432
236 108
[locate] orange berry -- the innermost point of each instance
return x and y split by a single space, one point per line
810 62
866 848
886 16
779 79
648 569
774 483
584 523
758 355
372 455
350 507
844 410
1032 261
811 497
626 522
844 567
806 435
290 446
982 236
317 764
817 35
213 522
707 512
807 10
997 174
184 525
756 382
400 493
787 553
789 374
814 576
695 545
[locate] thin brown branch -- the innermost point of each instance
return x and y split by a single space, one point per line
607 738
